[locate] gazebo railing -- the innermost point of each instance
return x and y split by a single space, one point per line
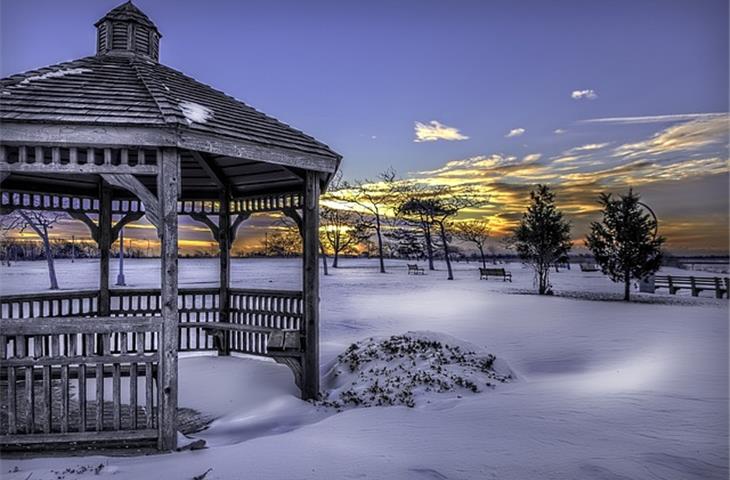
54 373
269 309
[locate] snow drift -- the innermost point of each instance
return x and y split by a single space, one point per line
410 369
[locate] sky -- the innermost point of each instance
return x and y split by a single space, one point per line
585 96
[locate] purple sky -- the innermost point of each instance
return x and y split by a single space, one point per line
360 75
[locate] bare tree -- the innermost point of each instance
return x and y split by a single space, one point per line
376 200
342 231
476 232
439 206
41 223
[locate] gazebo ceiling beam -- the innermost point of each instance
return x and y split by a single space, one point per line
149 200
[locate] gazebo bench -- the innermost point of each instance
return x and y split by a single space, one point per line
485 273
280 341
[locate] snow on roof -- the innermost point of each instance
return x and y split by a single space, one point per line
195 112
55 74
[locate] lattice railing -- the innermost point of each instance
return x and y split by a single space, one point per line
53 371
265 310
268 309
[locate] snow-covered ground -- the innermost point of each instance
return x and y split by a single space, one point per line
603 389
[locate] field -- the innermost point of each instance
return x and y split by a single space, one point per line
603 389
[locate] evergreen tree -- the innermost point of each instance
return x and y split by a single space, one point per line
543 236
624 242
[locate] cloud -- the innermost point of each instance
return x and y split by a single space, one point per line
656 118
434 131
589 147
515 132
685 137
533 157
588 94
559 131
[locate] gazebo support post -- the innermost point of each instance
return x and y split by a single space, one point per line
168 183
105 243
224 245
310 284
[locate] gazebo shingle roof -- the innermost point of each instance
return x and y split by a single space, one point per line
133 90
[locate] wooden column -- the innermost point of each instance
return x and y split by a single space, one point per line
105 243
224 244
310 286
168 182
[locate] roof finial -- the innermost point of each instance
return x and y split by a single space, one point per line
126 30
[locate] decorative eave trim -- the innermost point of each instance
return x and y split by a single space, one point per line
32 134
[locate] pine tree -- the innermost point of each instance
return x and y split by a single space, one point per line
624 242
543 235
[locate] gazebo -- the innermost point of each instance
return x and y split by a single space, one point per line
108 139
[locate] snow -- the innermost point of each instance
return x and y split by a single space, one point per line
604 389
55 74
195 112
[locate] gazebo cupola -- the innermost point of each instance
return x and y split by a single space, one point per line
126 30
110 138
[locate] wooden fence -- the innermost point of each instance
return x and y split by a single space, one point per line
52 385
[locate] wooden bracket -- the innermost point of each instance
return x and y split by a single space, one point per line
130 183
129 217
242 217
294 214
295 365
203 218
93 227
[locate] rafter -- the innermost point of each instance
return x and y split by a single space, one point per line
211 170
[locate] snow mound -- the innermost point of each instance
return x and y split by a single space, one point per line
410 369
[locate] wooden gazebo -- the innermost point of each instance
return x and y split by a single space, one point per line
116 136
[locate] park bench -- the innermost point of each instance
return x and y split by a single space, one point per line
589 267
415 270
694 284
485 273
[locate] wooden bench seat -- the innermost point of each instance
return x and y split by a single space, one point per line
485 273
415 270
280 342
720 285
